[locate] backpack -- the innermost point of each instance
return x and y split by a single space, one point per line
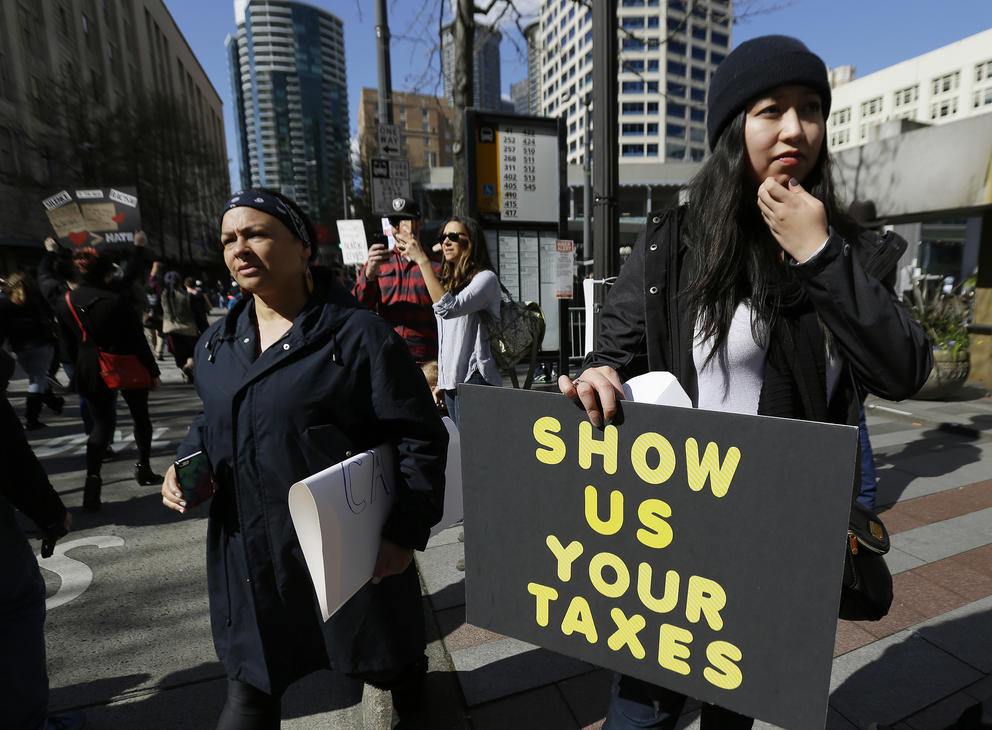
518 333
177 311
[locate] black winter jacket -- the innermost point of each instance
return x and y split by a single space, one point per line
339 382
645 325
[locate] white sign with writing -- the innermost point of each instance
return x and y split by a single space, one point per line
390 179
354 245
388 136
529 175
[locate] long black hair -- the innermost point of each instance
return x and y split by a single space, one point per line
734 255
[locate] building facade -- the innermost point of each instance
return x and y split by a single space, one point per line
98 93
485 67
668 52
290 91
945 85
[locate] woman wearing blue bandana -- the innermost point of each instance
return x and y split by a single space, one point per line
297 377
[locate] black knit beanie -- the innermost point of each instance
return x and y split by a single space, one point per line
758 65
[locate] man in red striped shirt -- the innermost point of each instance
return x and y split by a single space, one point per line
392 285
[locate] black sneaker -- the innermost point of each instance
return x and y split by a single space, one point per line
144 475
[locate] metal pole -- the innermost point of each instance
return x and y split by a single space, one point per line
604 80
382 54
587 247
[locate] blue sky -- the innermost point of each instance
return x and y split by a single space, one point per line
869 34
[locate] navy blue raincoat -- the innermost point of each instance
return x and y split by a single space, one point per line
339 382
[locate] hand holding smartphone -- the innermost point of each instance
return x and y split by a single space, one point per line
195 478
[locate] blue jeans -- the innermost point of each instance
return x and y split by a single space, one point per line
34 360
635 703
869 479
451 396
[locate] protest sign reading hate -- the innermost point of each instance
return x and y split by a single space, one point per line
696 550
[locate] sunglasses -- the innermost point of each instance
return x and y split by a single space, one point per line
453 236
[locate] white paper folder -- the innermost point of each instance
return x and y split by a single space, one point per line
339 512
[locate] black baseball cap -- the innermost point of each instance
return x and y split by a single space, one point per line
404 209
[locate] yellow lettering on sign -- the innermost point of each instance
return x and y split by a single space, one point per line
626 633
666 458
724 673
607 448
656 533
544 596
668 600
544 430
705 596
698 469
672 649
578 617
613 523
565 555
620 585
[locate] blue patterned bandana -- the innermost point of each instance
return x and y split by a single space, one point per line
267 203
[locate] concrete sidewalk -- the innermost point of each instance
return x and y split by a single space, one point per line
920 667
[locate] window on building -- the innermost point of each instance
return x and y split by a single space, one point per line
676 131
675 110
675 68
698 54
983 71
871 107
632 107
699 32
632 150
632 22
698 74
696 154
676 25
653 21
631 129
652 64
634 64
907 95
945 108
841 116
632 44
719 39
632 87
651 128
945 83
651 150
717 57
697 94
676 90
675 151
652 107
676 48
651 87
633 3
983 97
697 134
697 114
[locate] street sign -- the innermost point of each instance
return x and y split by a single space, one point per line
390 179
389 140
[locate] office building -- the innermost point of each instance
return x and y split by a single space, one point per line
485 67
950 83
668 52
520 95
425 124
290 92
101 93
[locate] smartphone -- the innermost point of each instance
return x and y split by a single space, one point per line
195 478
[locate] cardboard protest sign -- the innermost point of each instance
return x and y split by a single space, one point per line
696 550
93 216
338 514
354 245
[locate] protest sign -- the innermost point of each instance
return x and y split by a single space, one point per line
696 550
93 216
354 245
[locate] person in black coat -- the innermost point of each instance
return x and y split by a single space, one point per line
760 295
25 486
111 323
297 377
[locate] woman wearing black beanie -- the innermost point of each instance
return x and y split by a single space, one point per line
759 294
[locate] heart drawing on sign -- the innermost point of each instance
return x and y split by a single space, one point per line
79 238
119 218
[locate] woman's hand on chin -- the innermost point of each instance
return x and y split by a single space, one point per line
796 219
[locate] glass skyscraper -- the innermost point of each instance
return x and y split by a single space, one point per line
291 103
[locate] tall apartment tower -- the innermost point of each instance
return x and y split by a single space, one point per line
668 52
291 103
485 67
947 84
532 35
